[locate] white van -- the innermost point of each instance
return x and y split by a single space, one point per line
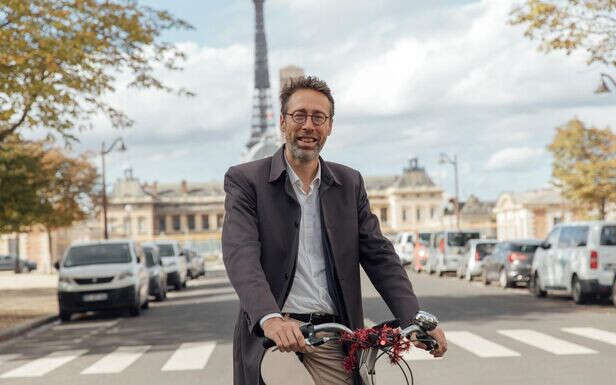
578 258
102 275
174 263
404 246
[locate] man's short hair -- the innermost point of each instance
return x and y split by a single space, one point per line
305 82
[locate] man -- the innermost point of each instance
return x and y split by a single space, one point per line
296 231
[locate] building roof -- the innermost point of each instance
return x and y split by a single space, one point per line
544 196
473 206
412 176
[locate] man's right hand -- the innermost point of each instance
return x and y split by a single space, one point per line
285 333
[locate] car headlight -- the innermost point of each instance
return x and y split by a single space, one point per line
124 275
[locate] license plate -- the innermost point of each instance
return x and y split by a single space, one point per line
95 297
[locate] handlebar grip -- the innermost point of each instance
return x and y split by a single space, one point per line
429 341
305 329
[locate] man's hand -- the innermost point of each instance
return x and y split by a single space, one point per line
285 334
439 335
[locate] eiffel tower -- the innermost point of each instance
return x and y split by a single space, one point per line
262 114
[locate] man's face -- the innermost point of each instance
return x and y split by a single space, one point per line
306 140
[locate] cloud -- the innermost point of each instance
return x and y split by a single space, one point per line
513 158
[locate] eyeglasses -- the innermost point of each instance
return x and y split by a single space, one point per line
300 117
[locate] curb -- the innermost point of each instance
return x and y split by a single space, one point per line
25 327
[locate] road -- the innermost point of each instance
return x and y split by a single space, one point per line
496 337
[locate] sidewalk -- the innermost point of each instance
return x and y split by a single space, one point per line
26 298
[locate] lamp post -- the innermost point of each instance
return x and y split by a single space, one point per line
444 158
603 88
105 151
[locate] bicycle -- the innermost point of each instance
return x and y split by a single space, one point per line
376 347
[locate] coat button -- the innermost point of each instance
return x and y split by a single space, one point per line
296 224
286 276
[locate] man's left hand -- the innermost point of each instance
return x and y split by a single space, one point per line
439 335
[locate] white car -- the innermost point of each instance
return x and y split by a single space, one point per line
102 275
174 263
576 258
404 246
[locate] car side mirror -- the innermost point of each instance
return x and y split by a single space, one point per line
138 259
56 265
160 262
181 253
545 245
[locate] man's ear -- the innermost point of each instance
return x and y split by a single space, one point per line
281 120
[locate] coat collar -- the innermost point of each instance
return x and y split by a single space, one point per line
279 167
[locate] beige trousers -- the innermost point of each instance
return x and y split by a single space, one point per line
322 365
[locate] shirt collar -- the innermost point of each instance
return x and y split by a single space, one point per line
316 181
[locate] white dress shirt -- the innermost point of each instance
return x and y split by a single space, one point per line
309 292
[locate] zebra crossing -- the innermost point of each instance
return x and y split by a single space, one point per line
192 356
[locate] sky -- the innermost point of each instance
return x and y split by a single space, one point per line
410 79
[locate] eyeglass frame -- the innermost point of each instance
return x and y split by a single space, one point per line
312 116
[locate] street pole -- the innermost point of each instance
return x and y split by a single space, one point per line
105 151
455 166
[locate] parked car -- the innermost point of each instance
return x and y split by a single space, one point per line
421 251
510 262
7 263
472 264
102 275
446 250
404 247
174 263
195 263
156 272
576 258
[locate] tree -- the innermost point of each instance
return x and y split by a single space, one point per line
569 25
584 165
59 57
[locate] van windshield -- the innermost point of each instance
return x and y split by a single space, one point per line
166 250
608 236
149 258
485 248
528 249
424 237
98 254
460 239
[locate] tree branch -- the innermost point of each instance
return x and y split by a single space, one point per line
4 134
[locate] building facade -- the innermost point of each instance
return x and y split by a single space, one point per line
475 215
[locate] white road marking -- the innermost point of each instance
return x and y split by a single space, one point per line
546 342
44 365
86 325
479 345
592 333
190 356
118 360
8 357
416 354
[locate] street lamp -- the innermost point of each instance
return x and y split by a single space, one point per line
444 158
603 88
104 151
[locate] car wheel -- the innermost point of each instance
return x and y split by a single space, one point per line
65 316
185 283
146 304
535 286
177 286
484 277
503 281
576 291
135 309
614 292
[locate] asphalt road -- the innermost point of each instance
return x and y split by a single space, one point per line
496 336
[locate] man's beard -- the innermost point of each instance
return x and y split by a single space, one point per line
301 154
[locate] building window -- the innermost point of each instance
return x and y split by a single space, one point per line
141 225
162 224
404 215
219 220
432 210
205 222
418 214
191 222
384 214
127 226
176 222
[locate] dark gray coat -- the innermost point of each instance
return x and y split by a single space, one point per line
259 244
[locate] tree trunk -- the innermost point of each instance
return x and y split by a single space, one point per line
602 211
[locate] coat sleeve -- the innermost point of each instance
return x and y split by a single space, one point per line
381 263
241 250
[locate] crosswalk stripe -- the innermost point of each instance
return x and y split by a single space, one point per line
190 356
592 333
44 365
8 357
546 342
118 360
479 345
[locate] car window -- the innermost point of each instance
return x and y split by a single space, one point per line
149 257
460 239
398 238
553 237
98 254
424 237
573 236
522 248
166 250
484 249
608 236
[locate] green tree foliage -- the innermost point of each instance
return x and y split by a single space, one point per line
569 25
59 57
584 165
